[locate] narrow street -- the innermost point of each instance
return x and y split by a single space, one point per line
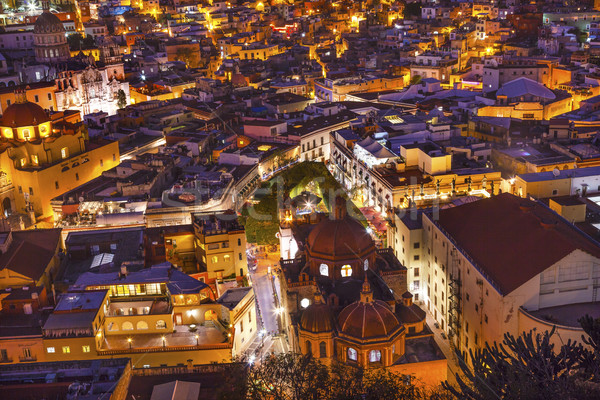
267 305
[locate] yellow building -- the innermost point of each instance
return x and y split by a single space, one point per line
45 156
220 245
156 316
41 93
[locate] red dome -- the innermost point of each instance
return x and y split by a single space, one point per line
24 114
368 320
317 318
340 239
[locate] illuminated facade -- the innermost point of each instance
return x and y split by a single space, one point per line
45 156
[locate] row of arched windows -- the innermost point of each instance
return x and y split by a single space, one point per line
374 355
345 271
140 326
322 348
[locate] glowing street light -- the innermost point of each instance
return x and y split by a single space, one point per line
197 339
129 341
164 341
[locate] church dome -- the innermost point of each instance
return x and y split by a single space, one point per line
317 318
48 23
24 114
340 238
368 318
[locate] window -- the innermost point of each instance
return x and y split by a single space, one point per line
240 256
50 349
56 185
416 258
64 152
226 258
352 354
76 176
308 347
101 163
214 259
30 191
554 192
416 272
26 133
239 241
37 99
375 356
304 303
322 349
417 245
160 324
485 318
416 285
49 96
127 326
66 349
346 270
86 349
324 270
141 325
467 296
242 326
114 157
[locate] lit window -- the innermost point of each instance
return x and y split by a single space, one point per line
215 259
8 133
226 257
305 302
324 270
34 159
86 349
374 356
23 162
127 326
50 350
64 152
352 354
346 270
26 133
160 324
66 349
366 264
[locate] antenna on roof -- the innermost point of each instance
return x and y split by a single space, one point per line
556 172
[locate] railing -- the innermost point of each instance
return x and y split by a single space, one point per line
5 360
158 349
25 359
199 369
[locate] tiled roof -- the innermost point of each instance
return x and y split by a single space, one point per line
511 239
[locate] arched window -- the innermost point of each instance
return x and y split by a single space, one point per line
346 270
366 264
112 327
141 325
322 349
352 354
324 270
375 356
127 326
308 347
160 324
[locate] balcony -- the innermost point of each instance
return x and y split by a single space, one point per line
27 359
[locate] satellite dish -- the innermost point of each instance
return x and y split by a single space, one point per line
556 172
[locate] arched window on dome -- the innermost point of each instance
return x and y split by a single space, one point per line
346 270
322 350
324 269
308 347
366 264
375 356
352 354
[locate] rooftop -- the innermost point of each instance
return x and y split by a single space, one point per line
535 236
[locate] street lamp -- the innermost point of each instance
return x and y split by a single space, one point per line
164 341
129 341
197 340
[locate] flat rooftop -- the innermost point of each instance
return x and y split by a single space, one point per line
567 315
